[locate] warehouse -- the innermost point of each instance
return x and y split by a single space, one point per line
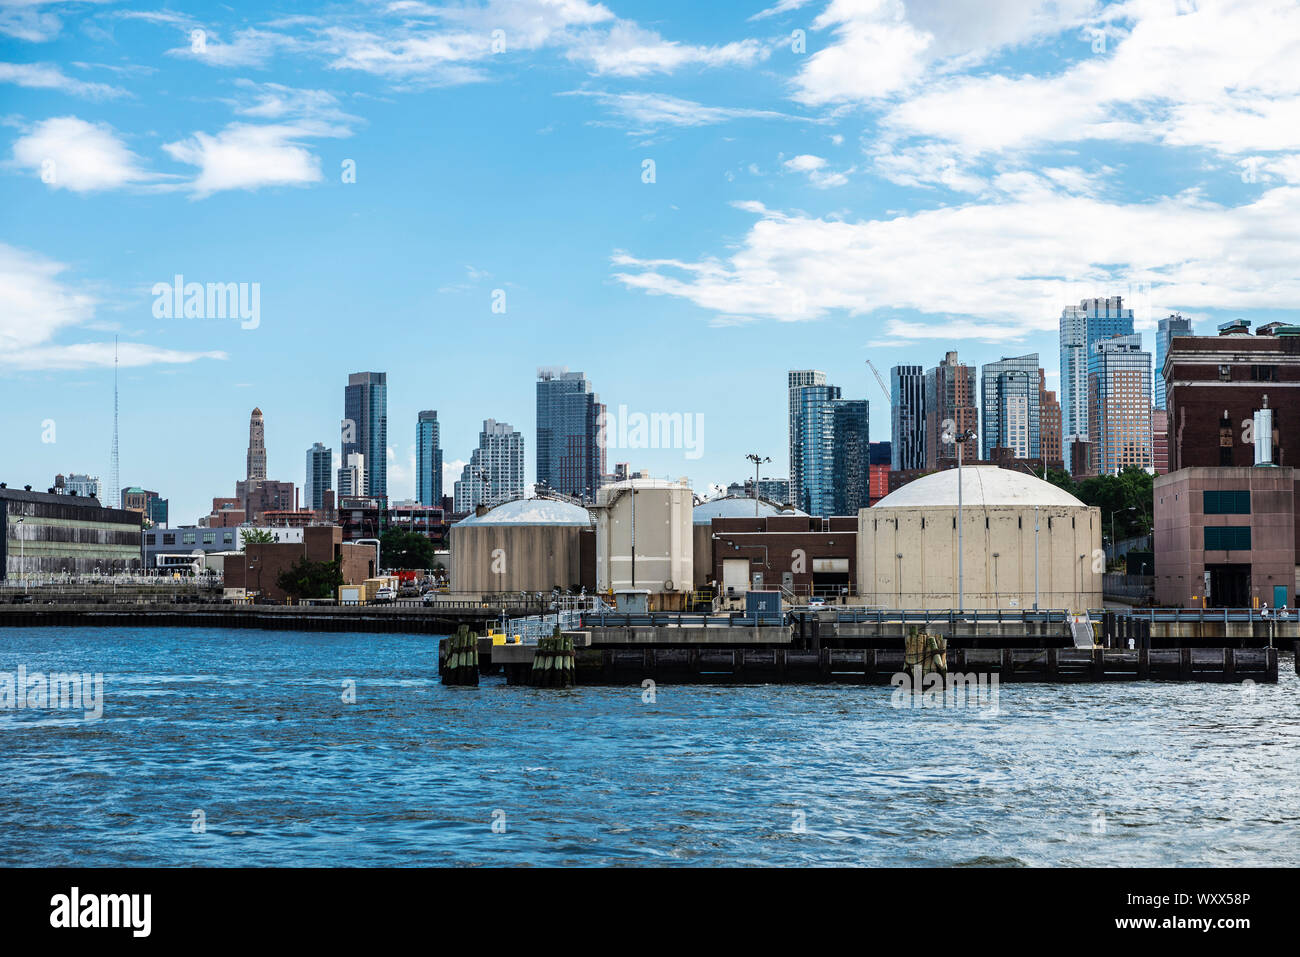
529 544
1024 543
46 535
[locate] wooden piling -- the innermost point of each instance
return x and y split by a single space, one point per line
461 664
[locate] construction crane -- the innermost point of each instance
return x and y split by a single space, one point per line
881 379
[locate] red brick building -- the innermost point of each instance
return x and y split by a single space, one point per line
258 569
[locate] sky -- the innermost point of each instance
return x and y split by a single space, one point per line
681 200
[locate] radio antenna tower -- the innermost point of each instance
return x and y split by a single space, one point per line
115 490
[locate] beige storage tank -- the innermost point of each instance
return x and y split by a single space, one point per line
643 540
529 544
907 544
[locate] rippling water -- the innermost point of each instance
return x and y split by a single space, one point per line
250 728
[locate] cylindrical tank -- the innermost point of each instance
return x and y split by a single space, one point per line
643 539
529 544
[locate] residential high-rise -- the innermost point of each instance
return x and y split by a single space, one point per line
796 379
256 446
851 457
1082 327
570 418
365 427
880 458
1049 425
1119 417
317 481
832 438
1166 329
428 459
352 476
907 417
950 410
1009 410
495 471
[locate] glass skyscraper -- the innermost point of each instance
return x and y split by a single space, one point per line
832 437
1166 329
907 410
570 452
320 463
1010 410
796 379
365 427
428 459
1119 420
1082 327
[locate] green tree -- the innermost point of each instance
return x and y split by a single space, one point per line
400 548
254 536
1128 496
308 579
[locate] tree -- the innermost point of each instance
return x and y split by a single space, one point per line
400 548
1129 496
308 579
254 536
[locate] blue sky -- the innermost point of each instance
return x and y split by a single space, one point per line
898 179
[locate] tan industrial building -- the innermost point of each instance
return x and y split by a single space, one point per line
644 540
908 544
529 544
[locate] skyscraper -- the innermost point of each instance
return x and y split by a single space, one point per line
907 417
851 457
317 480
1049 425
1082 327
950 410
796 379
1009 410
352 476
256 446
832 438
428 459
570 451
1119 417
495 471
1166 329
365 427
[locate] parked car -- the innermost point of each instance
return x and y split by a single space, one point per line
21 600
429 597
384 595
816 602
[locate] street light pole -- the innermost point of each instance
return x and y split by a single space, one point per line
758 460
960 438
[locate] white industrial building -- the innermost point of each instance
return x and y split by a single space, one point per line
1024 542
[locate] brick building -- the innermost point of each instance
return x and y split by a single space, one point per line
259 568
806 554
1215 384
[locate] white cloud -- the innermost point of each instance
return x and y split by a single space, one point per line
881 48
47 76
71 153
37 304
1219 75
245 156
245 48
815 168
629 50
650 111
999 268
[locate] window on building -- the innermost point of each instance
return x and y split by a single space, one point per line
1226 502
1227 538
209 538
187 538
169 539
1225 373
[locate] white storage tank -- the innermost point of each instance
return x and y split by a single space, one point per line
643 540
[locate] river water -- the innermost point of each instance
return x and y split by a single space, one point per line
226 747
